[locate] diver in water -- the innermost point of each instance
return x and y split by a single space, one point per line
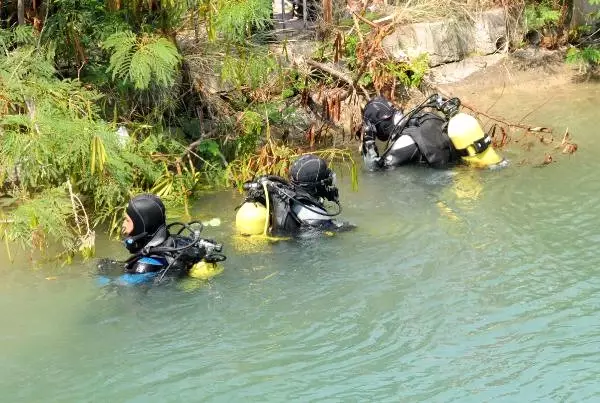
439 137
276 206
156 252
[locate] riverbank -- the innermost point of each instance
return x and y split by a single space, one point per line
530 68
164 128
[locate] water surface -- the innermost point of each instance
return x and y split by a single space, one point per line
457 286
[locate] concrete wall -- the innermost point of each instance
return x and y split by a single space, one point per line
445 41
449 40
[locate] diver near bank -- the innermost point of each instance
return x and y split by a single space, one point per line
157 251
434 133
276 206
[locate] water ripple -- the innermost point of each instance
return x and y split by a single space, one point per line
457 286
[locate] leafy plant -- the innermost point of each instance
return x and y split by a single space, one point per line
141 59
587 58
540 16
250 125
410 73
351 45
247 68
41 218
236 20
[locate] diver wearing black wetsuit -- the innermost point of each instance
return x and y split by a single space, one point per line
419 138
298 205
152 245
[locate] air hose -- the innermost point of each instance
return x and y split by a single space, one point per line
268 209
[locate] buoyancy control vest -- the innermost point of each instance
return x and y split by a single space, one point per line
290 214
429 132
176 252
165 255
291 209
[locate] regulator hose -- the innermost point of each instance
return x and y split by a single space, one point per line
404 121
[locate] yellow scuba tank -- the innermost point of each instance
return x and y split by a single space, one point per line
251 218
204 270
472 143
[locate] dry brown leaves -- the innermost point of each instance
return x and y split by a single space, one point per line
528 139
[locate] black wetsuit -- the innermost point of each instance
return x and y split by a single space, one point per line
155 251
424 139
293 210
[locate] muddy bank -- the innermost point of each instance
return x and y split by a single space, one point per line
534 70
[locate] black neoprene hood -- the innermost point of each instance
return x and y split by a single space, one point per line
309 169
147 213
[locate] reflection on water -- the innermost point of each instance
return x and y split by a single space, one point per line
456 286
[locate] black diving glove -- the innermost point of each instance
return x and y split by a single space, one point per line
370 154
369 149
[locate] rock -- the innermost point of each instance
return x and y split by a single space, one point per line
533 58
439 39
449 40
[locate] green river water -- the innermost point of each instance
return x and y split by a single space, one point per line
457 286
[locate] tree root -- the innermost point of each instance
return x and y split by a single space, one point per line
342 76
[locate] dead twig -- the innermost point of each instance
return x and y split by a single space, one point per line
535 109
477 111
357 27
497 99
341 75
363 19
374 45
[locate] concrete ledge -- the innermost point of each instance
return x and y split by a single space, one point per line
458 71
449 40
446 41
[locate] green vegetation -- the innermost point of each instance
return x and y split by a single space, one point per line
586 52
97 102
53 132
550 20
94 108
139 60
587 58
541 16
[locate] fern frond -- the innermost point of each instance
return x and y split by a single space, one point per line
23 35
122 45
235 18
143 59
166 59
141 69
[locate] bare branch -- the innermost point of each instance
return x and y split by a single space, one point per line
338 74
